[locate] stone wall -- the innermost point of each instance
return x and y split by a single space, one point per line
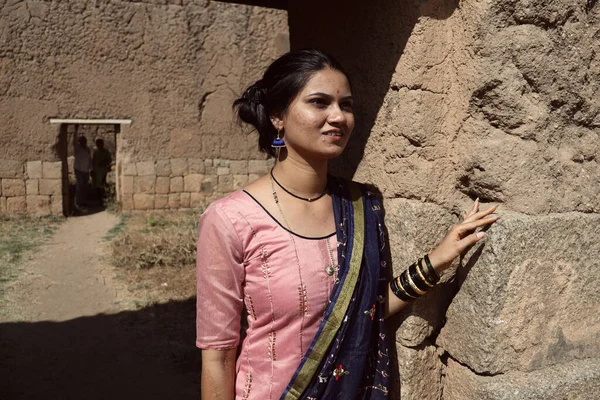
184 182
492 99
34 187
172 67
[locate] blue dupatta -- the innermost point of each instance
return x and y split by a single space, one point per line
349 358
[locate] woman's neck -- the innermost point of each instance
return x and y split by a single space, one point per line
301 178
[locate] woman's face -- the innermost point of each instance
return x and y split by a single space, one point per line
319 121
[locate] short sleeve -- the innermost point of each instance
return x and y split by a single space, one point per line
219 279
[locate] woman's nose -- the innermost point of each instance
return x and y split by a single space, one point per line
337 114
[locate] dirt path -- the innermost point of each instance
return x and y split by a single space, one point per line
68 277
72 332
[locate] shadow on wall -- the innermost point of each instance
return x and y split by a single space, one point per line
145 354
368 38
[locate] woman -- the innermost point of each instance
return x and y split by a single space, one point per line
303 253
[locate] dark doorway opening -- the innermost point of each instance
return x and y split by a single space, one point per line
98 188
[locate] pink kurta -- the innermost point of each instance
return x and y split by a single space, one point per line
246 258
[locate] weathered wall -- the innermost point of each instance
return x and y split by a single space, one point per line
492 99
173 67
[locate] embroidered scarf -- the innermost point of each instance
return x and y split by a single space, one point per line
349 358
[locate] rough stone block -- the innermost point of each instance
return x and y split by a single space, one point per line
253 177
163 168
196 200
163 184
52 170
239 167
11 169
420 371
414 229
142 201
192 182
2 204
13 187
208 163
127 202
239 181
161 201
223 170
16 204
523 305
174 200
32 186
176 184
260 167
218 162
50 187
56 205
209 184
184 200
575 380
196 165
38 205
179 167
225 184
129 169
145 168
34 169
145 184
127 185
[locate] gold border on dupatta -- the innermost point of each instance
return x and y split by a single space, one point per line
310 367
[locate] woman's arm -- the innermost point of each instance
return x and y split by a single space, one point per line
218 374
459 238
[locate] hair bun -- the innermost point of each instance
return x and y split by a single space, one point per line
256 93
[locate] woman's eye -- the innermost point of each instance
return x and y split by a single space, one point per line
347 106
318 102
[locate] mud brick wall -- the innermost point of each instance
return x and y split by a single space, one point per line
34 187
181 183
172 67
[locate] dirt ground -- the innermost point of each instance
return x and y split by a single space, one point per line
73 330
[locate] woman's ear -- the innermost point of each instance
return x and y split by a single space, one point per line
277 123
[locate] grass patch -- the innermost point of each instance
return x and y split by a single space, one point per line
18 236
119 228
156 254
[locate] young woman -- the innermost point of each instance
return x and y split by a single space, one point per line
299 256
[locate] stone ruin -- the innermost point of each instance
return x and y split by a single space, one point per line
456 100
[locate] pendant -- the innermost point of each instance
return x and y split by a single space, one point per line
330 270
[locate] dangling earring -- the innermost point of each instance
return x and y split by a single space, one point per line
278 141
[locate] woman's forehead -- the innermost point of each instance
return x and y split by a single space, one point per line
329 81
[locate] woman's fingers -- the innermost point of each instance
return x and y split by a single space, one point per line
469 226
473 210
480 214
470 240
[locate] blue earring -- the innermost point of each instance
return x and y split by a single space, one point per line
278 141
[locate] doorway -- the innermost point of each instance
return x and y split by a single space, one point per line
98 191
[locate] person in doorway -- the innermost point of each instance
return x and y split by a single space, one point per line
101 166
83 166
305 254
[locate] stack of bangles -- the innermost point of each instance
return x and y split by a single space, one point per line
415 281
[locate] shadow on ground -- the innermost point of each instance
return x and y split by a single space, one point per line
146 354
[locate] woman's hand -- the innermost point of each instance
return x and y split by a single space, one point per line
462 236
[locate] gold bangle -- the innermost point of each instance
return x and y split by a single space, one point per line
413 285
399 283
420 272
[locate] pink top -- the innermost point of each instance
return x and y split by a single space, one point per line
246 258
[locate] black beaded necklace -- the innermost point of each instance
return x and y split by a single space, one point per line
309 199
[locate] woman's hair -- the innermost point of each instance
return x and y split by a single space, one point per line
280 84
